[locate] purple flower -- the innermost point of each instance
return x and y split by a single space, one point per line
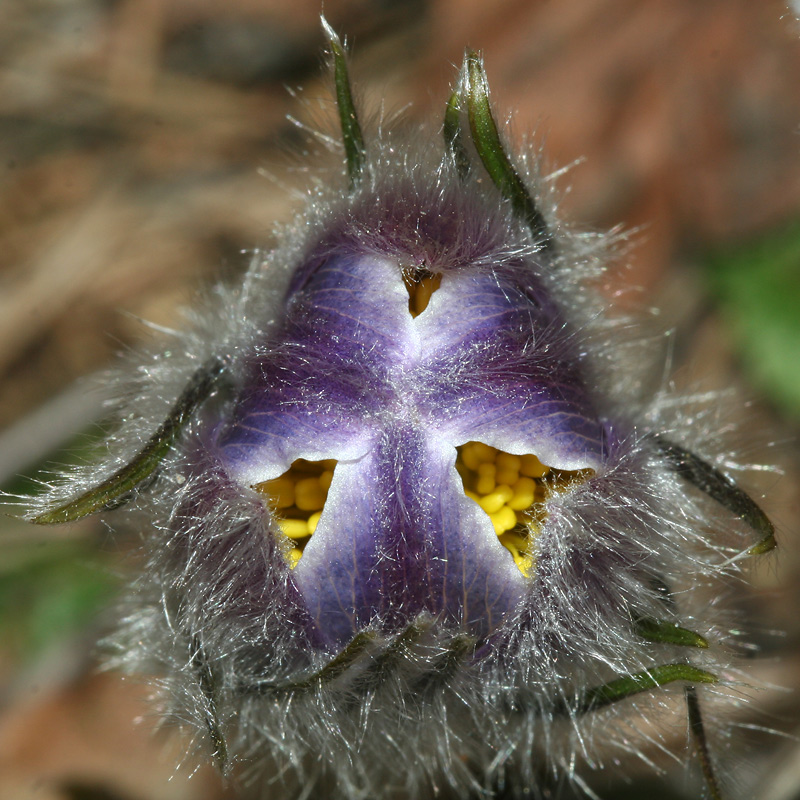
352 375
410 523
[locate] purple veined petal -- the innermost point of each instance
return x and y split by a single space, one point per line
497 368
356 378
353 309
398 537
347 330
472 306
262 445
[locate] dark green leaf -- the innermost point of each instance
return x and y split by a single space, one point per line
629 685
722 489
656 630
115 488
492 153
354 149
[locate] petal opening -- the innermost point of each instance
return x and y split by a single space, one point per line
297 499
420 285
513 491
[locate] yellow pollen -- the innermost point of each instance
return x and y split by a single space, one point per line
494 501
298 498
421 285
517 546
294 556
532 467
523 494
294 528
503 520
312 522
512 491
486 482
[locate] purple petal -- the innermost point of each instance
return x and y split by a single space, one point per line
353 310
499 369
397 537
354 377
307 396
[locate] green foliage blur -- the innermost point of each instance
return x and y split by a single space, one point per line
757 286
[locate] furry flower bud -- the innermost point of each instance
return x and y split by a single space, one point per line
406 527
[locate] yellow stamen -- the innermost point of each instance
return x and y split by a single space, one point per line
294 528
496 499
503 520
312 521
281 490
421 285
298 498
294 556
309 495
523 494
512 489
532 467
486 478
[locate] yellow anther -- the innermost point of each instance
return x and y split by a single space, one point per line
420 285
496 500
503 520
518 545
486 478
475 453
507 475
485 452
422 296
298 497
508 461
524 494
532 467
309 495
294 556
514 543
469 456
294 528
280 491
313 520
512 490
525 564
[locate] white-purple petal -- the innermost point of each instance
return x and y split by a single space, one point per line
353 376
399 537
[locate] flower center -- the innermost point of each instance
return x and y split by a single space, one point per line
297 498
512 490
420 285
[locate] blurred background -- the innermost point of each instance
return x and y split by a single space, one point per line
143 151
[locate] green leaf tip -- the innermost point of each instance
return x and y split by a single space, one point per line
113 490
721 488
767 544
638 682
491 151
656 630
352 138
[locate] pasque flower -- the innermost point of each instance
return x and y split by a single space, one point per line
411 528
